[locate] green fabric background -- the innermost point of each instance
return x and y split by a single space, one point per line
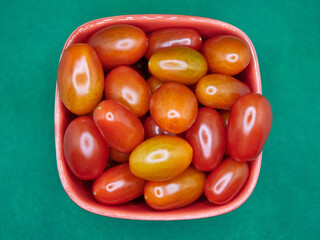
285 202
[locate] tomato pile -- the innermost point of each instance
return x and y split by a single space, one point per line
161 115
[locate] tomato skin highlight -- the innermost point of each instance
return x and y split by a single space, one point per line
220 91
119 45
178 64
177 192
84 148
169 37
117 185
249 126
120 128
124 85
226 54
173 107
226 181
207 138
80 79
160 158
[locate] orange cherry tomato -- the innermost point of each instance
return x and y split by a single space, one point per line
80 79
207 138
220 91
84 148
169 37
119 45
177 192
226 54
178 64
119 156
126 86
154 83
226 181
174 107
160 158
249 127
120 128
117 185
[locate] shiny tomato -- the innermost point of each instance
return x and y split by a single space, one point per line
174 107
119 156
207 138
120 128
220 91
177 192
160 158
119 45
178 64
154 83
80 79
169 37
249 127
84 148
117 185
226 54
151 129
126 86
226 181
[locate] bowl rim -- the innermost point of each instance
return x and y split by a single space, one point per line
59 138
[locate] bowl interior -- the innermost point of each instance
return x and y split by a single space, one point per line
80 191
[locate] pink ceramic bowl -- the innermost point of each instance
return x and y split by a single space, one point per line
80 191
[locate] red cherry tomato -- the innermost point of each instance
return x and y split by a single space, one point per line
152 129
154 83
174 107
249 127
177 192
80 79
207 138
226 54
160 158
226 181
84 148
120 128
169 37
220 91
178 64
117 185
225 117
126 86
119 156
119 45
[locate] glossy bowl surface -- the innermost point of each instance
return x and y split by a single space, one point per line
80 191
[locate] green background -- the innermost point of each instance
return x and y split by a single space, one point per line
285 202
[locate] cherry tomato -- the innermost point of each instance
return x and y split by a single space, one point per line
160 158
207 138
169 37
84 148
226 54
173 107
119 156
80 79
249 127
119 45
177 192
220 91
226 181
126 86
117 185
178 64
151 129
154 83
225 117
120 128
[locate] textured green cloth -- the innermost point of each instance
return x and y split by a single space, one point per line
285 202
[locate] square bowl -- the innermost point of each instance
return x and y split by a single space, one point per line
80 191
